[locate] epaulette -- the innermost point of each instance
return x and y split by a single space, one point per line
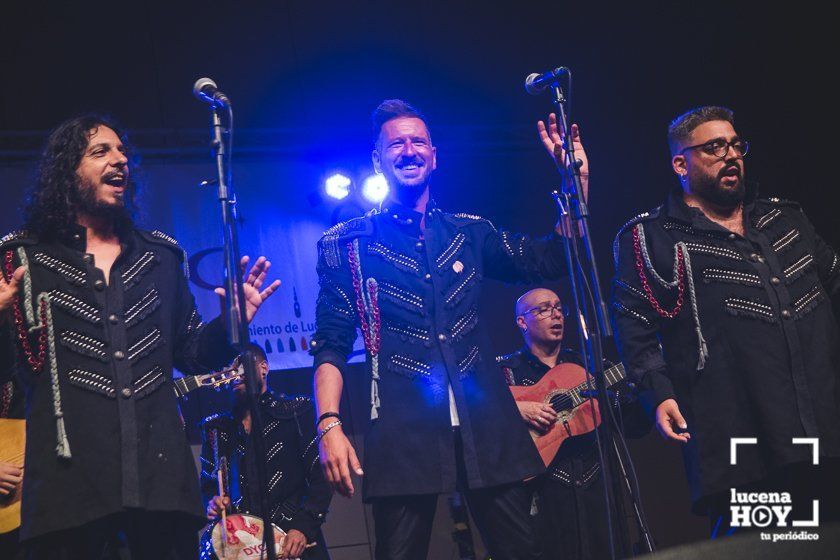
328 246
781 202
643 217
160 238
15 238
464 219
288 407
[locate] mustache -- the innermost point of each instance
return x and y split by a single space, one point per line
402 162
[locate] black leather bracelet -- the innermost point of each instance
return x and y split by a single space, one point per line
327 415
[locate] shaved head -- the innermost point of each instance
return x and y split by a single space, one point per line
545 330
533 298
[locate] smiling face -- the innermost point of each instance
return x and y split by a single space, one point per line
719 180
405 155
103 172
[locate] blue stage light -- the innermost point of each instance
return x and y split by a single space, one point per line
375 188
337 186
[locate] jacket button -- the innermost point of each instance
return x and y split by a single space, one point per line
88 258
775 281
418 246
99 285
409 221
732 236
754 257
786 314
578 483
119 354
126 392
442 337
113 319
427 277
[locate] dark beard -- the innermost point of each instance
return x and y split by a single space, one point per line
710 190
117 214
407 195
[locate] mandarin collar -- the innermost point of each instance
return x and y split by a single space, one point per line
405 217
676 208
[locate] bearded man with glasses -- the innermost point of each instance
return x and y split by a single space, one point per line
722 304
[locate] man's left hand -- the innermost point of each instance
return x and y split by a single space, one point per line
553 142
252 283
293 545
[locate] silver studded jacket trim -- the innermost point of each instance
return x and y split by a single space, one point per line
92 382
83 344
784 243
809 301
75 306
69 272
512 251
714 250
448 255
749 308
799 267
401 297
168 238
466 365
621 308
399 260
767 218
408 367
145 344
407 332
136 270
630 289
731 276
148 382
465 324
142 308
457 292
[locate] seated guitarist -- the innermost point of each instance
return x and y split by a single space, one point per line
11 473
569 499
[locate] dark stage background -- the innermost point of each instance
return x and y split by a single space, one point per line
304 77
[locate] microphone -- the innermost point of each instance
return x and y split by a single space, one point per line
206 90
535 83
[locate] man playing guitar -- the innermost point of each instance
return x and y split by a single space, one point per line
568 498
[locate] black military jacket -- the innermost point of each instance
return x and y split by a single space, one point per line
298 494
764 314
419 300
103 431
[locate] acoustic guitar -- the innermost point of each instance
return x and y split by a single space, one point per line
565 388
12 444
13 437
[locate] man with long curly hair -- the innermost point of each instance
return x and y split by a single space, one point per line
94 314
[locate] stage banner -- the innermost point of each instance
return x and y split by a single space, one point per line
283 228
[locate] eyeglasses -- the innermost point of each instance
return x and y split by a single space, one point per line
720 147
546 312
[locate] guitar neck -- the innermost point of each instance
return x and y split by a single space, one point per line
614 374
184 385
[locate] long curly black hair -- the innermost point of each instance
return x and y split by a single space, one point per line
53 200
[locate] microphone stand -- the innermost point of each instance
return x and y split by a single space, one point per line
235 314
593 324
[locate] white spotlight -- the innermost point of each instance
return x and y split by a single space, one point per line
337 186
375 188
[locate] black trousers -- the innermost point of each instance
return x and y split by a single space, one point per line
138 535
403 524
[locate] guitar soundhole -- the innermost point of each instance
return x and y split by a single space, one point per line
561 401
